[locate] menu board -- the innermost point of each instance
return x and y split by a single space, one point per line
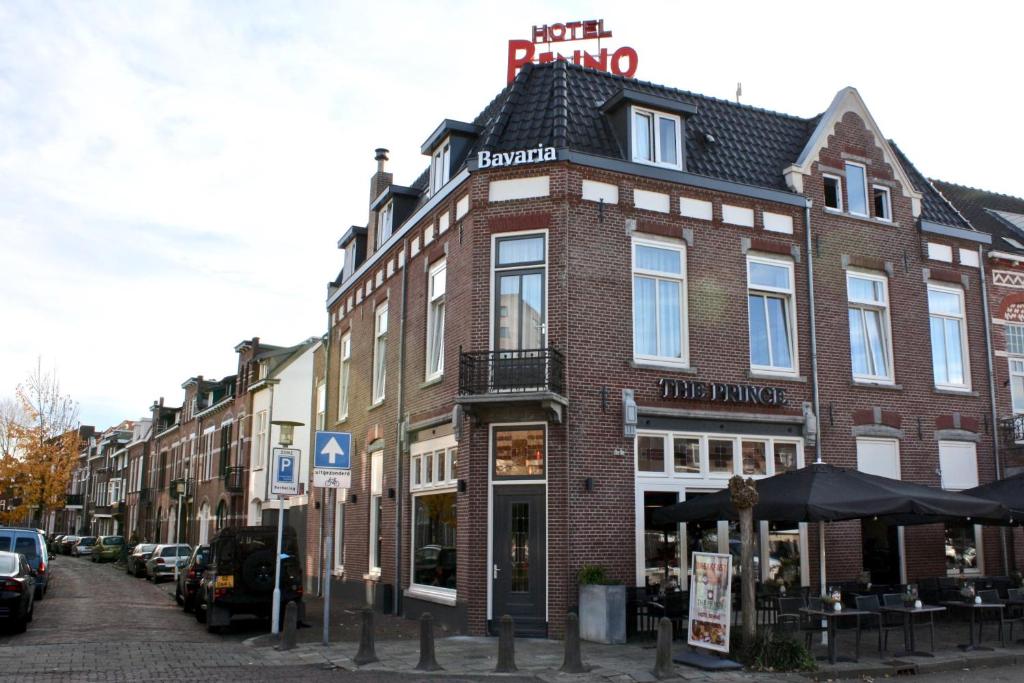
710 601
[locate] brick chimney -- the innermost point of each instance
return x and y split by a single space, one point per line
379 182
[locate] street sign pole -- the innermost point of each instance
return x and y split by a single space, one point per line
327 593
275 627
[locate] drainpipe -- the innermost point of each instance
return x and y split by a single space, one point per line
400 446
816 397
992 395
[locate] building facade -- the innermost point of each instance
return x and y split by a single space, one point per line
605 296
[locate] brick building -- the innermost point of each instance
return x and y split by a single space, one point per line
597 301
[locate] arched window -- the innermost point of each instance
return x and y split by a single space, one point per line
222 515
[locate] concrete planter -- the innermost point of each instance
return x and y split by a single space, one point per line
603 613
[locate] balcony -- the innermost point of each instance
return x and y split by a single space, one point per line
524 377
74 501
1012 431
234 479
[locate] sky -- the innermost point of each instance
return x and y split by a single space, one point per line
174 176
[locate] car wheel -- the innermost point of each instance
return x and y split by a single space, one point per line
31 613
151 578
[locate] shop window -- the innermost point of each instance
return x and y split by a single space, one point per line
770 311
736 547
754 461
519 453
784 555
659 302
868 309
785 457
661 542
434 540
948 336
962 548
883 202
650 454
687 455
720 456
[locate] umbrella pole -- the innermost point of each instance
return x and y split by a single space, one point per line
821 565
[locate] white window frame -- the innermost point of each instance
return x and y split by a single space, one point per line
380 352
344 376
207 447
964 350
656 137
867 197
883 309
1017 371
684 359
887 203
376 498
321 405
436 307
339 532
442 450
789 294
705 471
979 538
839 192
260 439
440 166
385 217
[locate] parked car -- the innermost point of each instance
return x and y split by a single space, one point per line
83 546
136 564
161 563
107 548
31 544
239 578
54 543
188 578
17 590
67 543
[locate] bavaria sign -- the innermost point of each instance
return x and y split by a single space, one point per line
485 159
621 61
332 460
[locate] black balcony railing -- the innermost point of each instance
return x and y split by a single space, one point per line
74 499
1012 429
519 371
234 479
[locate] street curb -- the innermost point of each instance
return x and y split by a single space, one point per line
903 667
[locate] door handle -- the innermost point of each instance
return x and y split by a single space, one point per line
496 570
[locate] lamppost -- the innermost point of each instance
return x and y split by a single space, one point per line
180 485
285 437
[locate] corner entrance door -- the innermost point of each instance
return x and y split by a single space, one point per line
518 574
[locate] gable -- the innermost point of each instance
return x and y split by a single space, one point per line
846 101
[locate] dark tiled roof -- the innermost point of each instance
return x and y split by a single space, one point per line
559 104
978 206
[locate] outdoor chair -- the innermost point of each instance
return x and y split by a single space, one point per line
677 608
896 621
787 614
990 595
879 620
1014 610
811 625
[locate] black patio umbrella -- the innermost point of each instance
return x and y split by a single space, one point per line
825 493
1008 491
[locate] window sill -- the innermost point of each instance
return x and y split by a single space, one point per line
656 365
754 374
876 385
378 404
442 596
432 381
862 219
338 572
655 164
955 392
372 575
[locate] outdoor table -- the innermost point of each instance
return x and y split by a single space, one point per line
831 616
909 642
973 607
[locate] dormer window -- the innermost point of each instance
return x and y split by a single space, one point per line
656 138
440 167
384 220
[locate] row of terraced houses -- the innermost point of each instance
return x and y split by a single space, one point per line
603 296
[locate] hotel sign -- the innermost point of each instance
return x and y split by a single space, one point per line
721 392
621 61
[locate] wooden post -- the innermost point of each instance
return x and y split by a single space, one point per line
744 498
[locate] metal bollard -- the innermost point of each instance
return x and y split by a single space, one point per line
367 651
506 646
663 666
572 663
291 625
427 660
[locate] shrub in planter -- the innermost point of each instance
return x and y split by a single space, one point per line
602 606
771 652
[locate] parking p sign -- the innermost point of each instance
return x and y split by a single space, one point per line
286 472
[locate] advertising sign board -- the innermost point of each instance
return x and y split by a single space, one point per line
710 601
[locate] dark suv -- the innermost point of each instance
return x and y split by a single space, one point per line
239 578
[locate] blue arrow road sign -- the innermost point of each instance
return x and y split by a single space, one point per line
333 450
